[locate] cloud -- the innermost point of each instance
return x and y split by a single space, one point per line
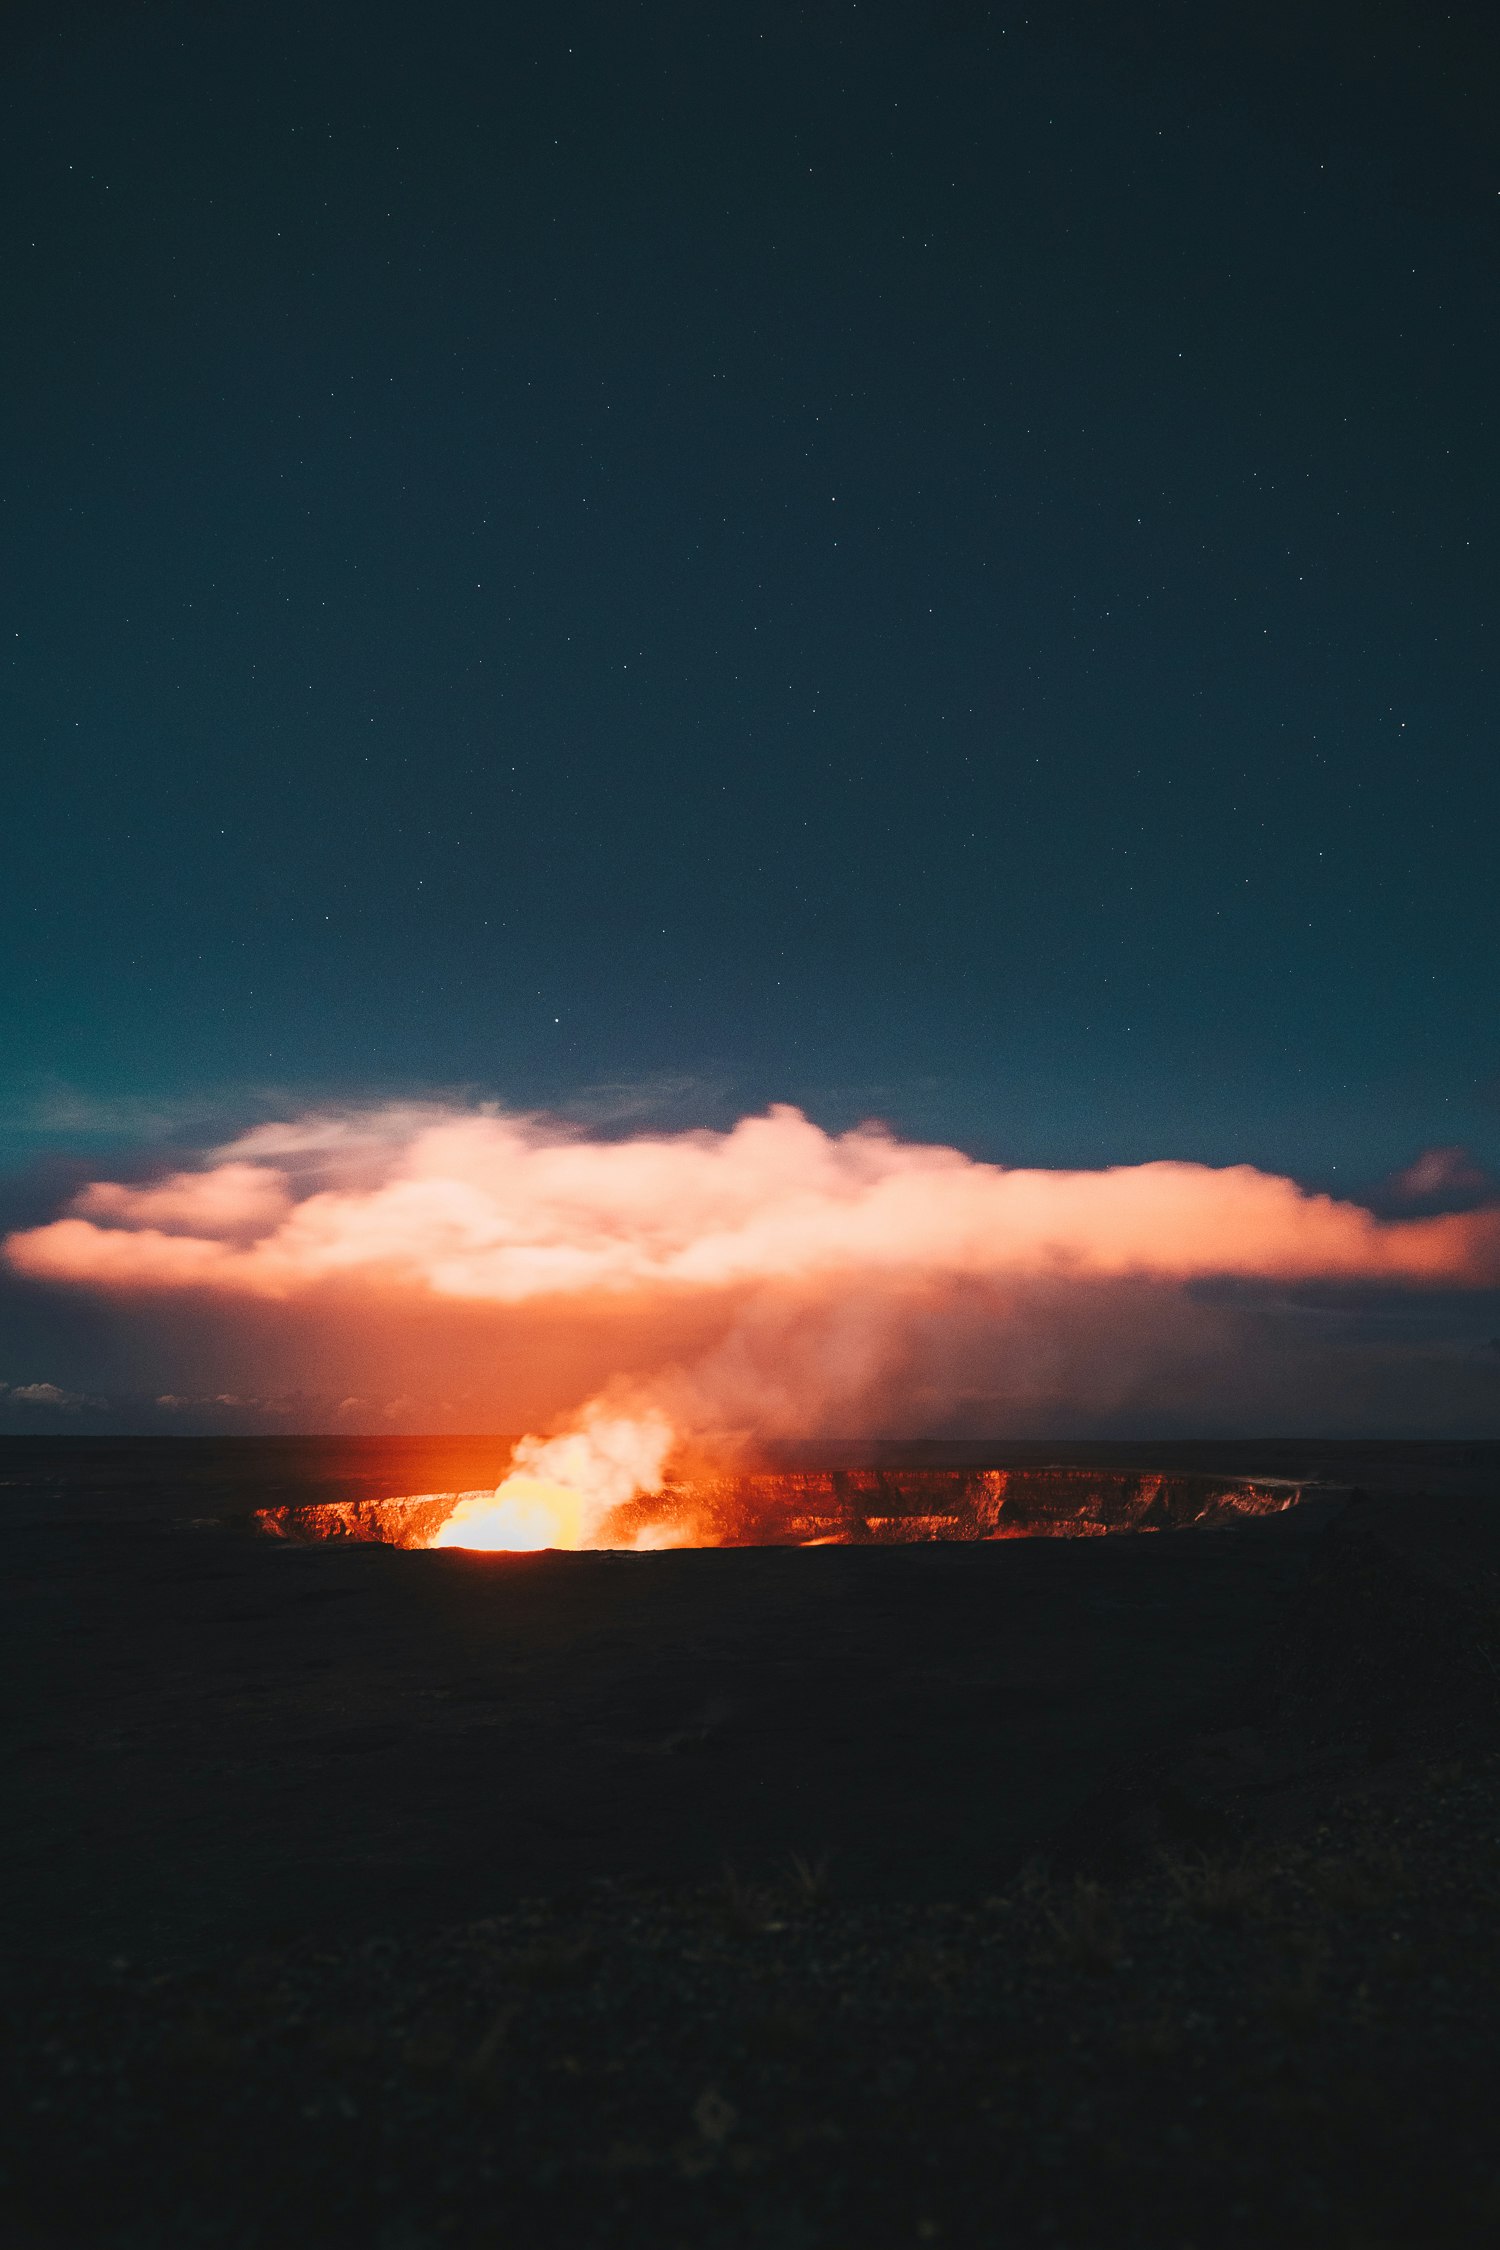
45 1108
771 1275
45 1394
506 1210
1440 1173
229 1201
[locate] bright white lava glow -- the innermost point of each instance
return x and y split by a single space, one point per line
561 1489
523 1514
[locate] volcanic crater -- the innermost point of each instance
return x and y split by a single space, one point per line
846 1507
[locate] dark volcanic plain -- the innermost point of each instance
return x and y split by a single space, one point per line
758 1896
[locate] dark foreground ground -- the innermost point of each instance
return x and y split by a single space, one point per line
218 1739
1142 1891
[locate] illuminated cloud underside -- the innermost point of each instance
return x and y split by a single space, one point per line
487 1208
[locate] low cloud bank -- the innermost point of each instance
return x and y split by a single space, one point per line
773 1277
506 1210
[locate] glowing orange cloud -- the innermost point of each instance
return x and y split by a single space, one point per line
486 1208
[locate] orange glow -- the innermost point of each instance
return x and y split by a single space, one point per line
738 1507
513 1210
771 1279
520 1516
564 1487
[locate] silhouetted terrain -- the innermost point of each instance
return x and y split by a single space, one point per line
1035 1890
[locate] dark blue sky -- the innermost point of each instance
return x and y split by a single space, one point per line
908 560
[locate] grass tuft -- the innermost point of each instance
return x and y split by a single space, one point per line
809 1876
746 1908
1220 1890
1086 1928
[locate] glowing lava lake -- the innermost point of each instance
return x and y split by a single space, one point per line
817 1507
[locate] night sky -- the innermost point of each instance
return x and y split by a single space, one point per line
921 561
